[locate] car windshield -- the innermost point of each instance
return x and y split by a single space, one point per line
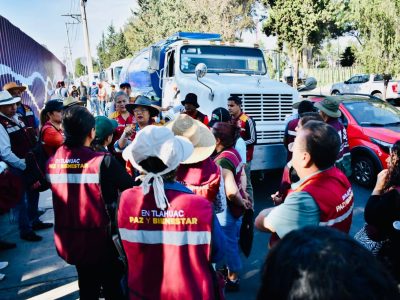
373 113
223 59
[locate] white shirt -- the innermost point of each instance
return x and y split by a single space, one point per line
5 146
241 148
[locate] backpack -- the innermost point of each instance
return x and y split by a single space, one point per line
35 172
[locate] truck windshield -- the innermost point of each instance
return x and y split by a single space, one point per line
223 59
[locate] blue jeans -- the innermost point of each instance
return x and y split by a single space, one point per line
20 211
33 206
95 106
231 228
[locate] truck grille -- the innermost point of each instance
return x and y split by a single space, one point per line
267 107
275 136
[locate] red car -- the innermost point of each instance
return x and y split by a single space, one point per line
373 126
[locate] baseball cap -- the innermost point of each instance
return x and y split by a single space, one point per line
219 114
104 127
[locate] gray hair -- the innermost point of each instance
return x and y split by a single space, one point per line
121 93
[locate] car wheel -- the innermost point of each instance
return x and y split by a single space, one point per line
364 171
335 92
378 95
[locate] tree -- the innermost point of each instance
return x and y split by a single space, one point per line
347 58
79 68
112 47
158 19
303 23
379 35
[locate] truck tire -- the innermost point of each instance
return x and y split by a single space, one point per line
377 94
364 171
335 92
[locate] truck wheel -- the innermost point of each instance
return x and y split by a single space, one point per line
335 92
364 171
378 95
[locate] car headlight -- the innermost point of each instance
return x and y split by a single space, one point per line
383 145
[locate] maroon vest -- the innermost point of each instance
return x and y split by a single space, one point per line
332 192
169 251
21 139
81 230
341 130
234 157
203 178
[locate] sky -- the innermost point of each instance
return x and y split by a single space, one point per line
42 20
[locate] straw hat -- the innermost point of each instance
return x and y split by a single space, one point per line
70 101
199 134
13 86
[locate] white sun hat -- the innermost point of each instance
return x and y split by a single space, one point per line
6 98
157 141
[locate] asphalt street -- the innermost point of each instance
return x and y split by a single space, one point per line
36 272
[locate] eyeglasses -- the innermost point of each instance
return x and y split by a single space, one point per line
139 110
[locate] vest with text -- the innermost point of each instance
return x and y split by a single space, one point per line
168 252
333 194
20 139
81 229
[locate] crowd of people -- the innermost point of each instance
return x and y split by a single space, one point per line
148 208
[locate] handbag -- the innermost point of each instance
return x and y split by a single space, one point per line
366 237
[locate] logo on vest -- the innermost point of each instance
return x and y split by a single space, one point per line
168 217
347 198
69 163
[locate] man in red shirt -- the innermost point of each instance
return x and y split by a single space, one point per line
191 107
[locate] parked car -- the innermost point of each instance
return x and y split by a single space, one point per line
373 126
371 84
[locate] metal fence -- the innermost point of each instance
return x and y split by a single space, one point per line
329 76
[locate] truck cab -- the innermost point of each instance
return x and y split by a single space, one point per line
228 69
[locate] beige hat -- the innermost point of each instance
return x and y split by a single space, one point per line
201 137
10 86
70 101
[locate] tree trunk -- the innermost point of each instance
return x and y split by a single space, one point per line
296 56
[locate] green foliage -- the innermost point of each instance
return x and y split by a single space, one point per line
112 47
158 19
79 68
347 58
378 24
302 23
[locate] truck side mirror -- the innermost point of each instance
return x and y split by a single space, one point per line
154 59
310 84
200 70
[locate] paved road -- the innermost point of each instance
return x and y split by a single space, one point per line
250 275
36 272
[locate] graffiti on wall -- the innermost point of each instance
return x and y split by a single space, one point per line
28 63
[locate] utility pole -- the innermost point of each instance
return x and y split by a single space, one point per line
86 38
70 51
